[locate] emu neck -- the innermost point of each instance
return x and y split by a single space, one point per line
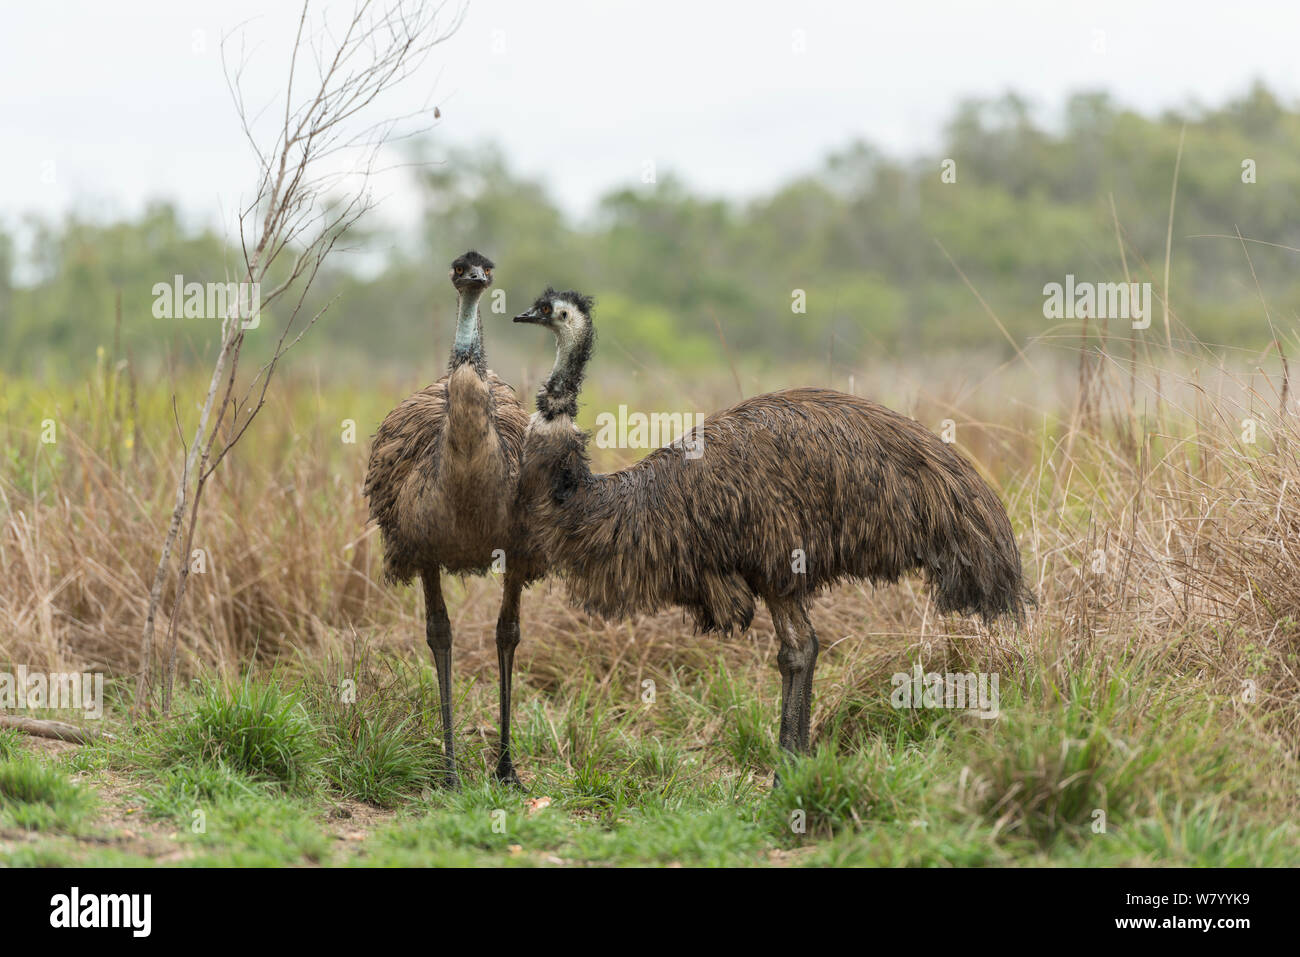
468 346
559 396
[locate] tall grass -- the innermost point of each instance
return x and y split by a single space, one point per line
1157 681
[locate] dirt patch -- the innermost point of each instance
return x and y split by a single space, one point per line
779 857
52 747
118 822
122 823
355 820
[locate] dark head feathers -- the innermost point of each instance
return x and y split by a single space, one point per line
559 394
585 303
474 258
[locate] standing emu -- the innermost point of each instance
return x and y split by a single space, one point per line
776 497
441 483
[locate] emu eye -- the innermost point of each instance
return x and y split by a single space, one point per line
546 310
459 270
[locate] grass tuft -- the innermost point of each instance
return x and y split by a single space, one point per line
253 728
35 795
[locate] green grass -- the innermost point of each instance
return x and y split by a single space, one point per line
255 729
1098 766
10 743
37 796
378 736
180 790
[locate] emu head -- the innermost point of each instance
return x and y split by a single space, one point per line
472 271
568 316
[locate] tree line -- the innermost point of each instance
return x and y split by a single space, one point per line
865 253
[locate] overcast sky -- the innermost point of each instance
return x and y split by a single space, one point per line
105 105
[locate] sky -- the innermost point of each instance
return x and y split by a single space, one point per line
105 106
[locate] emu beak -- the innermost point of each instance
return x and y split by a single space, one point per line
476 274
532 315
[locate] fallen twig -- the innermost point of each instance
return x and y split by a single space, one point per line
61 730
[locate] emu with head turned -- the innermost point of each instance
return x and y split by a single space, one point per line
441 483
780 496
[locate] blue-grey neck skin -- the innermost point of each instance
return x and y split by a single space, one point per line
468 346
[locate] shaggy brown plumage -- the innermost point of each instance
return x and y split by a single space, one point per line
777 497
441 483
794 491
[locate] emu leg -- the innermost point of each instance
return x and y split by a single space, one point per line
787 735
507 639
437 630
811 647
796 659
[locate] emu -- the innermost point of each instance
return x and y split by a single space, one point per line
780 496
441 482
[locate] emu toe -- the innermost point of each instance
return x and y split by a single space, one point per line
505 773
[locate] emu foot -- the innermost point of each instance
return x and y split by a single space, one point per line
505 773
786 763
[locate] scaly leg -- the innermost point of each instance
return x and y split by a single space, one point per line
438 635
796 659
507 639
781 622
810 646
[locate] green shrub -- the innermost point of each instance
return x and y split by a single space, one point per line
254 729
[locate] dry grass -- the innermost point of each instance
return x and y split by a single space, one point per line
1148 527
1156 681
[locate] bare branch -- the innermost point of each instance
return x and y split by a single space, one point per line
293 212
